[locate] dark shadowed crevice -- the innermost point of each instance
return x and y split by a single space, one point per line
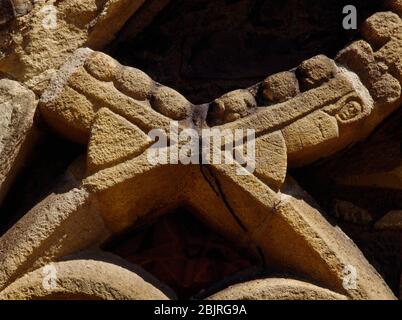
381 152
38 177
205 48
183 253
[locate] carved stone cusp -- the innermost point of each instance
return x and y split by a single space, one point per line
171 104
101 66
280 87
231 107
381 27
315 71
360 58
350 111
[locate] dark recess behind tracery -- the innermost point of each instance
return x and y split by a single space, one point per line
204 48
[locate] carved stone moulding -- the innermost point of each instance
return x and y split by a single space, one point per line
299 117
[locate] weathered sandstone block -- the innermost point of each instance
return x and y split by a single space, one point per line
83 279
280 87
286 231
315 71
276 289
44 36
231 107
17 130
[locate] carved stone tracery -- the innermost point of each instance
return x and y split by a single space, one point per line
307 116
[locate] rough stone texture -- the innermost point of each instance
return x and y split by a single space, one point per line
272 170
43 38
170 103
83 279
280 87
94 100
315 71
231 107
17 130
113 140
360 58
60 225
368 176
276 289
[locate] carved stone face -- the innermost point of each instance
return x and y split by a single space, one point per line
350 111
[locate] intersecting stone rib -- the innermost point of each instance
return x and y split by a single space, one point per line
269 119
340 107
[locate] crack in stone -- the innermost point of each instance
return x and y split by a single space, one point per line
222 195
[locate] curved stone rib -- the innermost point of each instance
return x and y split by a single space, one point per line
82 279
96 79
295 236
276 289
60 225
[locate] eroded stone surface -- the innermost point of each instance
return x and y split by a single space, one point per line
17 130
231 107
281 87
61 225
276 289
10 9
114 140
83 279
315 71
44 37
